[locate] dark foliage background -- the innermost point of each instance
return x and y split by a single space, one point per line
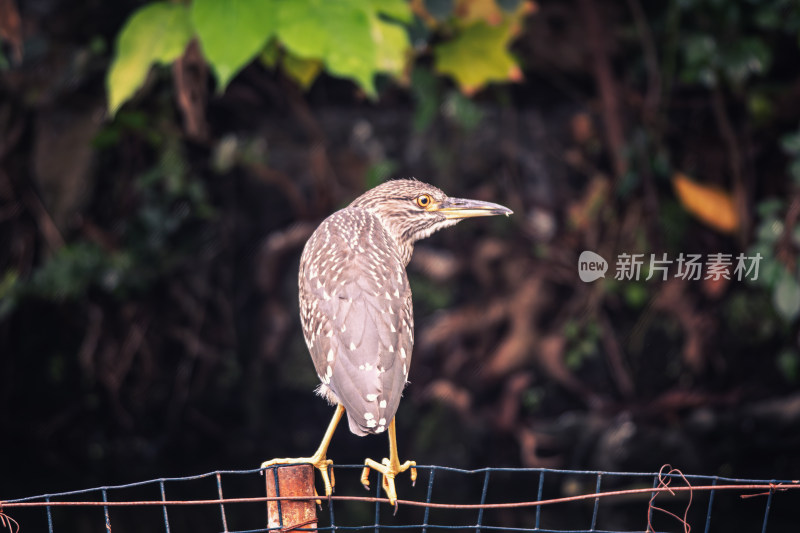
148 302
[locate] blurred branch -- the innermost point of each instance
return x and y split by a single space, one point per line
190 73
458 322
284 183
12 126
511 400
619 373
319 161
651 116
11 27
530 442
550 357
45 222
597 43
9 138
652 100
523 309
735 157
274 250
697 326
91 339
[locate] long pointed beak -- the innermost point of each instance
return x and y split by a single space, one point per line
464 208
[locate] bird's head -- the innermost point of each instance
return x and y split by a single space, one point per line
411 210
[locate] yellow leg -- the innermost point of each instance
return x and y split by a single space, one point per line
389 467
319 459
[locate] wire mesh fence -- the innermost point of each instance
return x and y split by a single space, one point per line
444 499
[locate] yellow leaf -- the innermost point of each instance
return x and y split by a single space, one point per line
391 45
478 55
303 71
488 11
712 205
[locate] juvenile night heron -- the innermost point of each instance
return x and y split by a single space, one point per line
355 307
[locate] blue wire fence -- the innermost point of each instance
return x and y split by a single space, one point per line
488 499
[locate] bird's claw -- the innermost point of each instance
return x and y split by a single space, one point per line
320 463
328 480
389 471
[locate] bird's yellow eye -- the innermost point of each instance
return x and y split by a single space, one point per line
424 200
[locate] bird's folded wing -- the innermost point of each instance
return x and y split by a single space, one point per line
357 316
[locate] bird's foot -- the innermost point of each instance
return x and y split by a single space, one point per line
318 461
389 469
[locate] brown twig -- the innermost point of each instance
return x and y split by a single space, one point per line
190 73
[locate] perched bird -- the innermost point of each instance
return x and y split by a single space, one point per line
356 311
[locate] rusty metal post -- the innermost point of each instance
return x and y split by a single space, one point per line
291 480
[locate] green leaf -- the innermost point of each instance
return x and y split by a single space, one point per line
270 54
770 230
232 33
156 33
786 297
700 59
477 56
746 57
391 44
337 32
767 18
700 50
69 272
760 107
769 207
8 283
636 295
771 270
346 35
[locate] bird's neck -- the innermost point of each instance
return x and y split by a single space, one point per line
405 252
403 245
